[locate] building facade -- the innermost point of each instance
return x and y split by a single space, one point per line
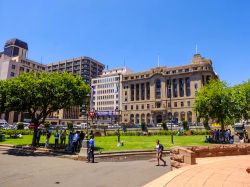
164 93
13 61
85 67
106 95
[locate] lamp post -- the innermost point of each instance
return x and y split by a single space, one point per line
84 111
170 99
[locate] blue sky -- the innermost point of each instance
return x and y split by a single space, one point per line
135 30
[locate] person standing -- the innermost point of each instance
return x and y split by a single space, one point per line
63 137
47 139
56 139
159 151
81 138
91 149
75 141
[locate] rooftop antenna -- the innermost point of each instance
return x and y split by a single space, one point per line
158 61
196 49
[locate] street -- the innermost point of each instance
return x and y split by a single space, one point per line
46 171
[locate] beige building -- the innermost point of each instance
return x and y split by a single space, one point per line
13 61
164 93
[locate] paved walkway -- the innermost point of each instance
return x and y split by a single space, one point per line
31 170
209 172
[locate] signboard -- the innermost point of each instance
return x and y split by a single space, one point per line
107 113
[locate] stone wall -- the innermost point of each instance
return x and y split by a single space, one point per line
180 156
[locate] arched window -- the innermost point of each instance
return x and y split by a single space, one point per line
143 118
189 116
148 118
182 116
176 116
137 118
132 118
158 89
169 116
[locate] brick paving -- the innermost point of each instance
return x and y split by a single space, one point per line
209 172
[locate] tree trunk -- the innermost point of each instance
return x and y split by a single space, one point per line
34 135
222 124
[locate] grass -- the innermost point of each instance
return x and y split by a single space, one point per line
109 143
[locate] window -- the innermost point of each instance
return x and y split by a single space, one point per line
126 93
148 90
175 88
132 95
169 88
142 91
137 107
158 105
148 106
13 66
181 87
175 104
158 89
188 91
137 92
182 104
12 74
169 104
142 107
132 107
188 103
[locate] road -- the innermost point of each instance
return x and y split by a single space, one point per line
46 171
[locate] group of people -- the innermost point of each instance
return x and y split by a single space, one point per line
220 136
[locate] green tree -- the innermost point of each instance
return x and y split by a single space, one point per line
213 101
43 93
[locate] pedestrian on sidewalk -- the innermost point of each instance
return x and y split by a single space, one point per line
91 149
159 151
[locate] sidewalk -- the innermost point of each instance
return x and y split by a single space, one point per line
209 172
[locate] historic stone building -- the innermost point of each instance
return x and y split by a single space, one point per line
164 93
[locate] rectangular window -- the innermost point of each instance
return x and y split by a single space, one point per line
188 103
169 104
148 90
137 107
12 74
142 91
13 66
148 106
169 88
142 106
181 87
188 91
137 92
175 104
132 107
132 91
182 104
175 88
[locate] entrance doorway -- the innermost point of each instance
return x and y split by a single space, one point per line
159 119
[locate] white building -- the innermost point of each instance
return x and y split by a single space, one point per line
106 95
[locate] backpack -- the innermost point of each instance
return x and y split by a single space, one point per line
161 147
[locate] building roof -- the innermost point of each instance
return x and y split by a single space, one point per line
17 42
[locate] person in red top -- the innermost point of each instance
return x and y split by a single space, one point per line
159 150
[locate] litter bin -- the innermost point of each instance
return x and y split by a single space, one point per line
2 137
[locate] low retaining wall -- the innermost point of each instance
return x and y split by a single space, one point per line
180 156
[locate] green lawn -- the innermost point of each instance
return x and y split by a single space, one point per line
109 143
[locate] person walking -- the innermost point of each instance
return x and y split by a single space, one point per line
159 151
91 149
75 141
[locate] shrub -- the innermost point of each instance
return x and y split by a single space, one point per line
20 126
12 132
185 125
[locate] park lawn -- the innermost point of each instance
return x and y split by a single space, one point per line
109 143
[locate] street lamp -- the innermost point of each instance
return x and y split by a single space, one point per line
170 88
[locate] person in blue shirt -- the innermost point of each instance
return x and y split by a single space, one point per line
91 149
75 141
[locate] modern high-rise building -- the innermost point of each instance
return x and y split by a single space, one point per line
106 95
13 61
164 93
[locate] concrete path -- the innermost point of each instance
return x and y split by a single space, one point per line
209 172
45 171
